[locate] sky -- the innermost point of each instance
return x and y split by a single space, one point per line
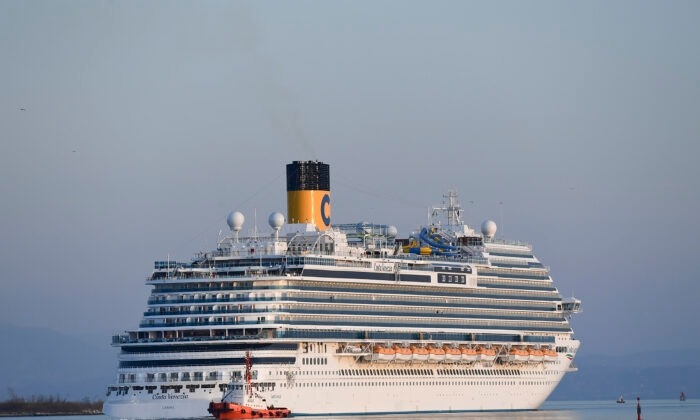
129 130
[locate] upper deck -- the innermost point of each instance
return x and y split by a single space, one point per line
357 280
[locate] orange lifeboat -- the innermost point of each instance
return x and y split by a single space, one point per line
516 355
550 355
468 354
420 354
402 354
535 355
435 354
486 354
382 354
452 354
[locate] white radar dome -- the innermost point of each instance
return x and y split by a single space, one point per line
488 228
276 220
392 232
235 220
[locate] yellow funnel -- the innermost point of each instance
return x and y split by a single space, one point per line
309 193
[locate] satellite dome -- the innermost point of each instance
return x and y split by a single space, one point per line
392 231
235 220
488 228
276 220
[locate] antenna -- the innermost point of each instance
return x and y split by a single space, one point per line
255 224
503 231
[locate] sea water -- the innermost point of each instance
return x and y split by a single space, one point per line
571 410
551 410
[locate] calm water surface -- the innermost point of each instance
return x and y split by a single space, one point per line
555 410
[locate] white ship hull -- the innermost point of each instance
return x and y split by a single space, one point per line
362 396
146 407
346 384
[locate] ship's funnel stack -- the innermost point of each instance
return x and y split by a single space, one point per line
309 194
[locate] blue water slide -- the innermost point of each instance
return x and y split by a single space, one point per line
444 248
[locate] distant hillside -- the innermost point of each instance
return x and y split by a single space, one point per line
43 362
651 375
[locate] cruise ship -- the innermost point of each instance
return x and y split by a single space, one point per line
343 319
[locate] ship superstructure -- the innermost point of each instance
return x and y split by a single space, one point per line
348 319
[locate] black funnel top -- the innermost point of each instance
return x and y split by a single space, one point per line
308 176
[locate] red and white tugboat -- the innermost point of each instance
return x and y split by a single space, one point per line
244 402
